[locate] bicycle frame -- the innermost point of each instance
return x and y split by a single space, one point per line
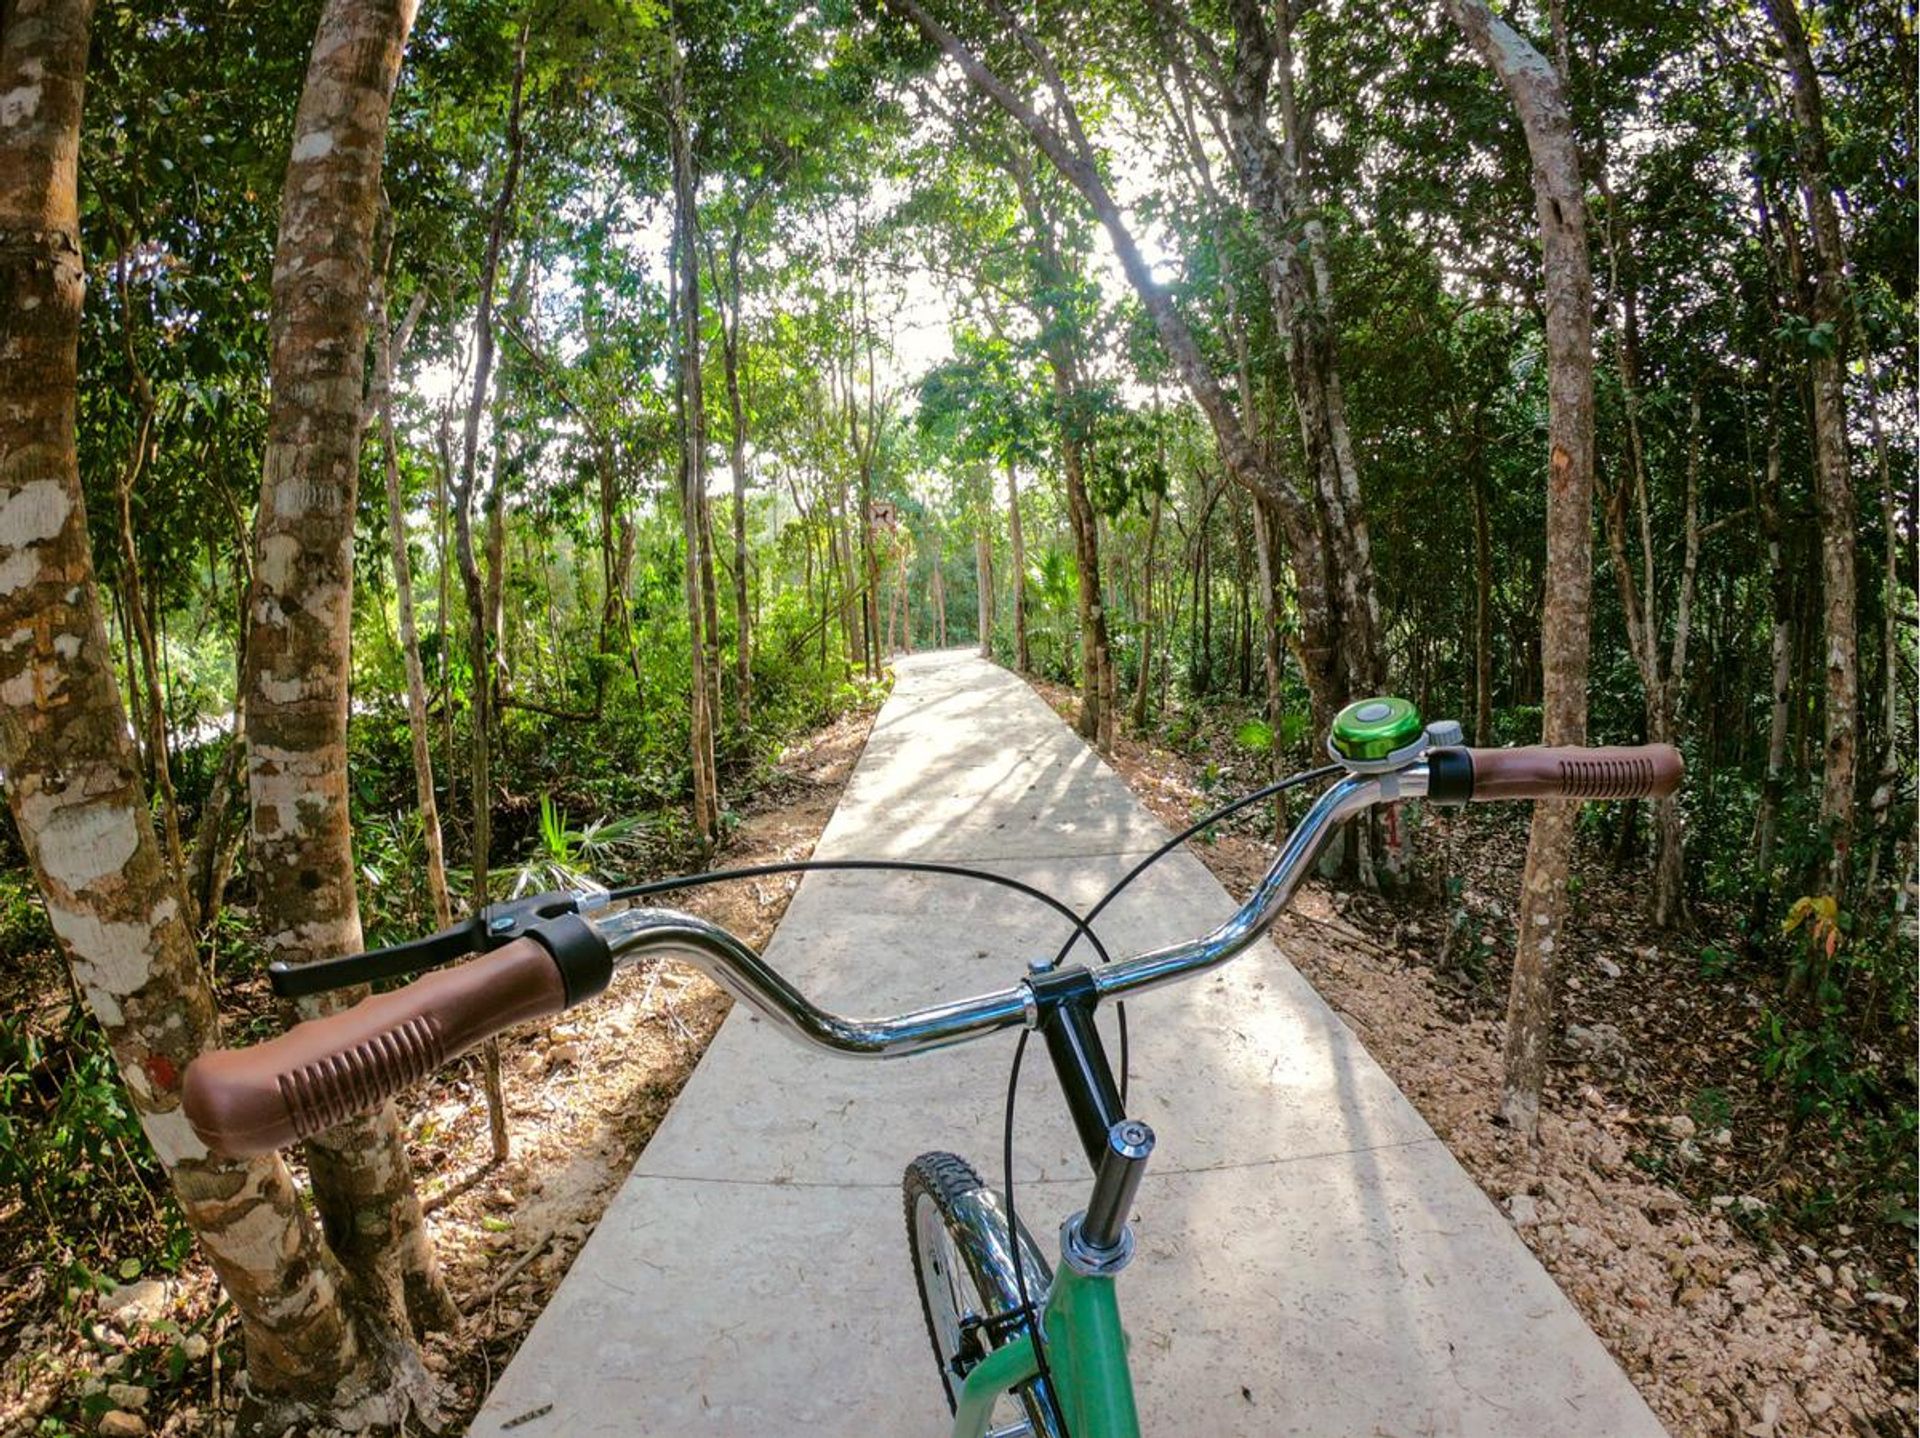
1086 1362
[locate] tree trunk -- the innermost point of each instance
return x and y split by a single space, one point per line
73 776
983 571
1482 616
1834 481
481 632
939 595
1267 569
1144 679
299 650
1300 291
409 634
737 437
1097 697
1022 656
1539 95
693 459
159 751
1773 787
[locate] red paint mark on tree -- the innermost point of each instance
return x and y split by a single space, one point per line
161 1071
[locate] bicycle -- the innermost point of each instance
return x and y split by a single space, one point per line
1021 1347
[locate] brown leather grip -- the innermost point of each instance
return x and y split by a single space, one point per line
1620 771
317 1074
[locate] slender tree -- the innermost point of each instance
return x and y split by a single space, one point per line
1539 95
298 651
1839 513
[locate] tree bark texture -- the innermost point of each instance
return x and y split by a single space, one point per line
472 583
983 585
1839 513
737 447
1482 615
1060 333
693 462
1022 655
1539 95
1144 679
74 785
299 657
409 632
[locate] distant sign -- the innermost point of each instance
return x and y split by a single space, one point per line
881 514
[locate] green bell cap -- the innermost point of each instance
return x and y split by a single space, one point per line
1372 730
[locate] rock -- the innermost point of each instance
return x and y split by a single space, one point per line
134 1303
127 1395
1523 1209
1769 1418
563 1054
1680 1126
1824 1274
1607 966
116 1424
195 1346
1596 1040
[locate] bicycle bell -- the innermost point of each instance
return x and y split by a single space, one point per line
1377 735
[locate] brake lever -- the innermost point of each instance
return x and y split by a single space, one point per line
494 926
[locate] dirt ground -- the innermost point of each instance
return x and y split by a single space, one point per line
583 1095
1637 1201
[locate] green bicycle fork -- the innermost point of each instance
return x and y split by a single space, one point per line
1086 1356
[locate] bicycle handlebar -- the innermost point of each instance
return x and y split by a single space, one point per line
319 1073
322 1072
1620 771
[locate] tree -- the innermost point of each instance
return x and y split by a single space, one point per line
1539 95
298 652
690 408
73 783
1839 514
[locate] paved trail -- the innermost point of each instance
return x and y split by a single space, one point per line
1312 1261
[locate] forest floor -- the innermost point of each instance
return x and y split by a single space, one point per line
1651 1196
583 1094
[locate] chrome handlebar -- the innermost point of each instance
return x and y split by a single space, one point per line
636 934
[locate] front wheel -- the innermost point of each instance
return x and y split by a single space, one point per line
963 1256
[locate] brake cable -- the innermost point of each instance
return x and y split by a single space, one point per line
1206 821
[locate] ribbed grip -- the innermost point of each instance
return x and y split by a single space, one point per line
332 1090
318 1074
1605 778
1621 771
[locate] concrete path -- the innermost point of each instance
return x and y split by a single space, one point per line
1312 1261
